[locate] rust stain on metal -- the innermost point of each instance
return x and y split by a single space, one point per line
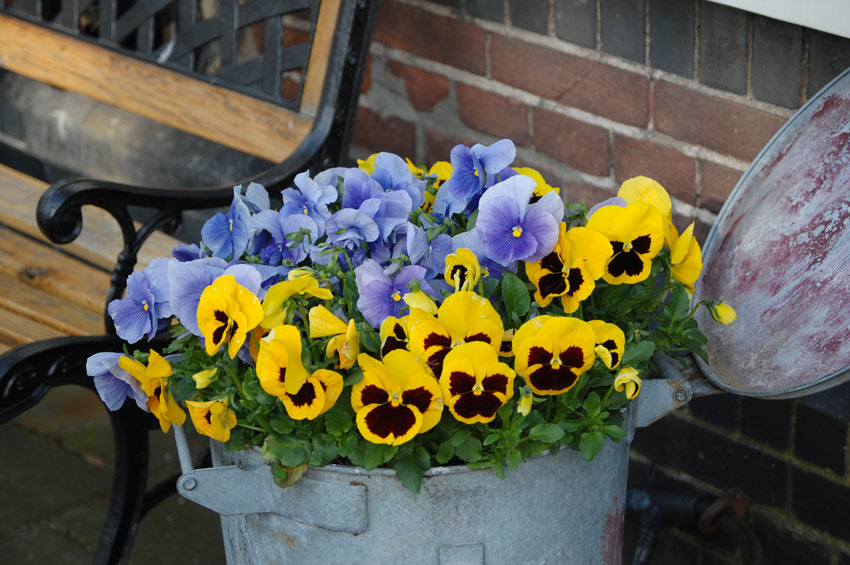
611 543
781 255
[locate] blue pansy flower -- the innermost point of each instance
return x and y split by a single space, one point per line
114 384
393 174
135 315
227 235
473 170
430 254
382 295
271 243
513 230
310 199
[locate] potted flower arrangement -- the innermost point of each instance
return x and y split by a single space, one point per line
389 316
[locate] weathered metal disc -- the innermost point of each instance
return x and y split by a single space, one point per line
779 253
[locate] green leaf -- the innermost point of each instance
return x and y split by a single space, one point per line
637 353
514 459
592 404
285 477
591 444
288 451
324 452
548 433
678 305
572 425
459 436
469 450
376 454
614 432
411 466
353 376
498 469
282 423
515 293
445 452
338 421
491 439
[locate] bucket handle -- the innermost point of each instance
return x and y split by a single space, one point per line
675 388
339 506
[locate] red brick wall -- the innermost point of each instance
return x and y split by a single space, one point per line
585 118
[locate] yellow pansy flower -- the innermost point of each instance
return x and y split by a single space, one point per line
396 399
571 269
650 191
345 343
463 317
279 366
542 187
153 378
204 378
475 383
301 282
393 334
442 170
636 234
419 300
722 312
316 396
367 165
686 258
227 311
610 342
551 353
628 381
462 269
213 418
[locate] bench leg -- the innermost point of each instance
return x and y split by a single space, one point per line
127 497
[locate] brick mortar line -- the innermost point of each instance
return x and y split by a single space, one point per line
740 438
555 44
534 100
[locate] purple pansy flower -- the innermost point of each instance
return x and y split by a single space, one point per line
358 187
113 383
513 230
270 241
429 254
382 295
227 235
135 315
389 211
256 197
473 170
348 227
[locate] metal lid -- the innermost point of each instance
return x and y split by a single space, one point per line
779 253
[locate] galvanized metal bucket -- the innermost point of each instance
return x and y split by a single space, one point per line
553 509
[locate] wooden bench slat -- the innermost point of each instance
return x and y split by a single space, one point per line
100 241
47 309
224 116
40 266
18 330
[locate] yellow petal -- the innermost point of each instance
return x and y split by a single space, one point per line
419 299
723 313
628 381
204 378
367 165
324 323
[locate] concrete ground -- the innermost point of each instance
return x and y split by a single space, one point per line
55 472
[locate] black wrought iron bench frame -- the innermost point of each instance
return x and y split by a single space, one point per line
28 372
